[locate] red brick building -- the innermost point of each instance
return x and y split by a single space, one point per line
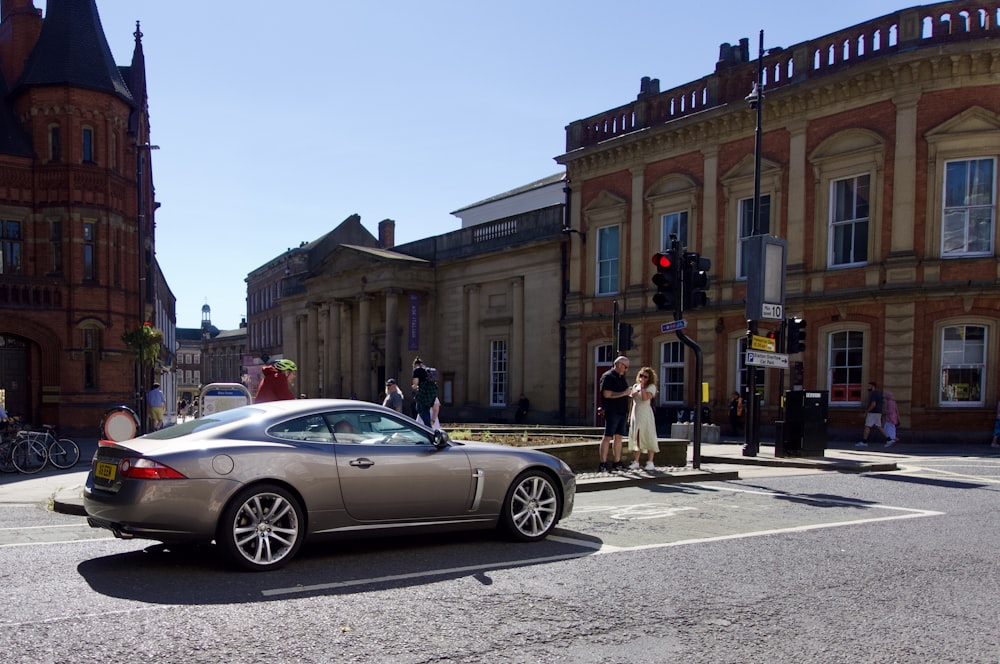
72 275
878 165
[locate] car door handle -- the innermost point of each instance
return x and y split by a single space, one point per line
362 463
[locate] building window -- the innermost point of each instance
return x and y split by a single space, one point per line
607 260
55 240
10 247
89 251
90 353
55 144
498 372
672 373
849 220
88 145
674 223
846 357
746 229
969 207
963 358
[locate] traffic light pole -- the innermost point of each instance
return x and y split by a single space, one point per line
751 434
699 372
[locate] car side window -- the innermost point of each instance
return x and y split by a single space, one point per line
312 428
367 428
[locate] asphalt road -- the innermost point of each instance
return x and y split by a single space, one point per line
810 567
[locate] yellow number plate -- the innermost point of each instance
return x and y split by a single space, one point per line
106 471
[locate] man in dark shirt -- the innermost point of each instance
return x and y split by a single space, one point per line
614 398
873 414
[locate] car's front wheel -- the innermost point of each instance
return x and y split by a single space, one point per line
262 529
531 508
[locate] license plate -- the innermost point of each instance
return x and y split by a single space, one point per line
106 471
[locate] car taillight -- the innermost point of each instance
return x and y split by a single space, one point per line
147 469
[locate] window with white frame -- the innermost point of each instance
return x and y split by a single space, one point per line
746 228
845 367
672 373
674 223
849 220
969 207
498 372
607 260
963 359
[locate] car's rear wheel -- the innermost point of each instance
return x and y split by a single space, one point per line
531 508
262 529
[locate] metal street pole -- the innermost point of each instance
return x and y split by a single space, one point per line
756 99
143 275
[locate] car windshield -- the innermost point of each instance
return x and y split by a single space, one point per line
204 423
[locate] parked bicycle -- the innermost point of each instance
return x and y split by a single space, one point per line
28 451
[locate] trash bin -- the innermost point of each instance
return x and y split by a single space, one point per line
803 431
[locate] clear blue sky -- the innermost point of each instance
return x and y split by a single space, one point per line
277 120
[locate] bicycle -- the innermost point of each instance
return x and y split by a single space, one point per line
33 449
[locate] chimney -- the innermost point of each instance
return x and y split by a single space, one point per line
387 233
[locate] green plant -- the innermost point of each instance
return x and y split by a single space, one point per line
145 341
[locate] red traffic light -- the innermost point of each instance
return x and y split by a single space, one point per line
662 261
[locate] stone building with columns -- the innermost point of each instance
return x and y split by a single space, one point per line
357 309
878 165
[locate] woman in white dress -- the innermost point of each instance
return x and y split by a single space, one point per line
642 423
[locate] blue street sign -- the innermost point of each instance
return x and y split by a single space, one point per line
676 325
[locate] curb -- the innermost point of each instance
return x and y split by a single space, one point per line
832 464
606 482
69 501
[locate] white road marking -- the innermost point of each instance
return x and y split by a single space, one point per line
595 547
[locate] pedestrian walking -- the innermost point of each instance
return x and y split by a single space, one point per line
157 403
891 418
642 424
425 390
393 399
615 393
736 413
873 414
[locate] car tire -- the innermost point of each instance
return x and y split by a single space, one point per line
262 528
532 506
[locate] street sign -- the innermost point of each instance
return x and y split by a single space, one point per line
772 311
760 359
762 343
676 325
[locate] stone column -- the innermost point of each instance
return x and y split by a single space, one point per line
311 385
392 340
325 373
364 381
474 386
637 252
517 350
798 170
904 175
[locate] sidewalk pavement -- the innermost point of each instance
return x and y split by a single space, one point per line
62 490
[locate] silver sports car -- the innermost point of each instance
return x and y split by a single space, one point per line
259 480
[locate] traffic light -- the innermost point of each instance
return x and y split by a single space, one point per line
795 338
668 281
624 336
695 280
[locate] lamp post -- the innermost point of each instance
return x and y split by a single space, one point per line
142 274
756 101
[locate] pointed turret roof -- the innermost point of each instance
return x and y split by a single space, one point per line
72 50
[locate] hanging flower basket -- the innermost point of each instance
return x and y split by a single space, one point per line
145 341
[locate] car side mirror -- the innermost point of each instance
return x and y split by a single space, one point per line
441 439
